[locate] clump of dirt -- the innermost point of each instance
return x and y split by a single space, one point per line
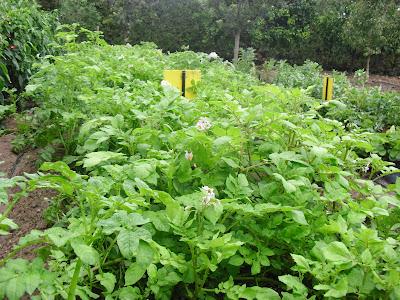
28 212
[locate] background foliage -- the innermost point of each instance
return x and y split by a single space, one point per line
337 34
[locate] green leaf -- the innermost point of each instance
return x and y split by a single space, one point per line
18 265
135 219
338 290
301 262
128 240
129 293
59 236
145 254
15 288
4 71
107 280
134 273
95 158
287 185
6 274
218 142
259 293
31 88
60 167
8 224
128 243
294 283
298 216
236 260
255 267
366 257
86 253
32 281
230 162
337 252
175 212
144 170
159 219
242 180
213 212
143 259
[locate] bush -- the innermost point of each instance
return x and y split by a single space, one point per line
26 34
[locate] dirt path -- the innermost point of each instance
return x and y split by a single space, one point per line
28 212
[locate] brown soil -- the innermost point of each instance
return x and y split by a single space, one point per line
387 83
28 211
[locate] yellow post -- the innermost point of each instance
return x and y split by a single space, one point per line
327 90
192 77
183 80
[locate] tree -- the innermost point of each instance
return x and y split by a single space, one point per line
283 30
338 34
80 11
366 28
237 16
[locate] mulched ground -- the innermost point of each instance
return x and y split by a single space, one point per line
28 212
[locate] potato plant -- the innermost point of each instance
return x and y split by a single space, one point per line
245 192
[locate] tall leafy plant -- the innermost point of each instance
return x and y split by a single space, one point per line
26 33
367 26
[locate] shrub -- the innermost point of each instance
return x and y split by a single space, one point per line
26 34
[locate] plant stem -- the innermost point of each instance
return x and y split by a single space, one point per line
111 262
265 162
10 206
346 153
261 279
20 248
227 215
109 249
74 280
204 278
194 265
195 254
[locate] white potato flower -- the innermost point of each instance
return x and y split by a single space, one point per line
209 195
213 55
189 155
203 124
165 84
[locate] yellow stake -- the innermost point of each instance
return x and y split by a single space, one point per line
183 80
327 90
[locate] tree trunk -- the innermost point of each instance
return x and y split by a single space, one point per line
368 62
237 32
237 46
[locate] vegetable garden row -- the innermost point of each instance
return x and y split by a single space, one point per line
248 191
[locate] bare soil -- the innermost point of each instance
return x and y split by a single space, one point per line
28 211
387 83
